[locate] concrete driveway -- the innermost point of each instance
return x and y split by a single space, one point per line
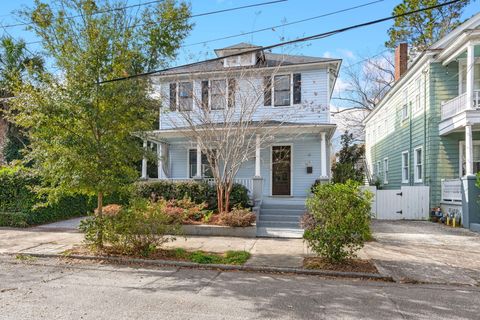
421 251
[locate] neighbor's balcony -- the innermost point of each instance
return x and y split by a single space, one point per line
455 113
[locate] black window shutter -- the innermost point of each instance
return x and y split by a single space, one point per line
297 88
173 96
205 94
267 91
232 84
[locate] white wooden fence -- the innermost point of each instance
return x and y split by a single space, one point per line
407 203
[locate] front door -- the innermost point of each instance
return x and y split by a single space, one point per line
281 180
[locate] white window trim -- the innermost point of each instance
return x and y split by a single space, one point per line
407 178
405 104
415 164
385 170
378 169
210 93
291 90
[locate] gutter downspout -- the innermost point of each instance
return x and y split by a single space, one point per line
424 163
410 167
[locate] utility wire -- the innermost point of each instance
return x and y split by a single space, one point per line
267 28
285 24
303 39
156 1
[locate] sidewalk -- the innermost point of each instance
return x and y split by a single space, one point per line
407 251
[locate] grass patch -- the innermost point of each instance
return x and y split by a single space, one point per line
201 257
24 257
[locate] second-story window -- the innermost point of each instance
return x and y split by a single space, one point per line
218 90
281 94
185 96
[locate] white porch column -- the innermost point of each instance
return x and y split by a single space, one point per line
144 161
159 161
199 160
257 156
468 150
323 155
470 75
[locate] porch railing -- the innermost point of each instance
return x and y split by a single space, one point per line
452 190
246 182
459 104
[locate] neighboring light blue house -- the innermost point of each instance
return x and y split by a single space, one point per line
426 131
289 92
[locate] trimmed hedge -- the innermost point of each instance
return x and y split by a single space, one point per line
198 192
17 201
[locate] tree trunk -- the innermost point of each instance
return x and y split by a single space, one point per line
100 215
227 199
220 198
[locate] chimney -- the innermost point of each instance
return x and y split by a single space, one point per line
401 60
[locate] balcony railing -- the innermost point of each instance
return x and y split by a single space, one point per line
459 104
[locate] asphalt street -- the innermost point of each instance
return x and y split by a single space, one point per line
61 289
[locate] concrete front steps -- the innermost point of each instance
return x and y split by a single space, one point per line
280 217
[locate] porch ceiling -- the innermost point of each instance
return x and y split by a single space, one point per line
459 46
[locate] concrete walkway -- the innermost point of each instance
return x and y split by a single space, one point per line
405 250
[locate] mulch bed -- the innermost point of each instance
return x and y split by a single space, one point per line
349 265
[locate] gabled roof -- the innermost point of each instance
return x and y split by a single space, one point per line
269 60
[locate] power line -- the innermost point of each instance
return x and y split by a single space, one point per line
156 1
283 25
303 39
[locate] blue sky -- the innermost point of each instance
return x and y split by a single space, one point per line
350 46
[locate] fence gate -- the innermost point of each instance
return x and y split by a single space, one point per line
407 203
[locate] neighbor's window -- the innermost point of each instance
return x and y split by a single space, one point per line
281 94
185 96
379 171
385 171
405 105
418 164
218 90
418 85
405 169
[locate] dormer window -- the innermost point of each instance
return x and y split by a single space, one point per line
241 60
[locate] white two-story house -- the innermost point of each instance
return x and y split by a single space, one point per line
287 91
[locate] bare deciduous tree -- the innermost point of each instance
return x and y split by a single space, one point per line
366 83
226 119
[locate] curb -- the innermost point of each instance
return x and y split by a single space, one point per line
224 267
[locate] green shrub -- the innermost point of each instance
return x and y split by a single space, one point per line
21 207
338 220
238 217
199 192
137 229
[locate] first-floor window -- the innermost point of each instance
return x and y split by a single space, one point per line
378 169
418 161
405 171
385 171
192 165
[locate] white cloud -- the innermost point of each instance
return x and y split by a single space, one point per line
327 54
347 53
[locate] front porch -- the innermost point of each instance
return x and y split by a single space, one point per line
287 167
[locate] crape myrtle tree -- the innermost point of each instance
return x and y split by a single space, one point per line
225 120
82 130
